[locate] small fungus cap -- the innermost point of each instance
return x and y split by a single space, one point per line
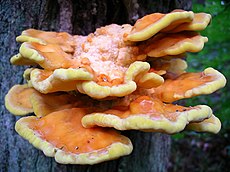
63 39
17 100
200 22
172 66
210 125
58 80
151 24
18 59
174 44
190 84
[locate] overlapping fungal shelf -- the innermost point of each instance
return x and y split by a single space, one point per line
80 90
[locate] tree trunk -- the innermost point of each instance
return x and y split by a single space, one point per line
151 151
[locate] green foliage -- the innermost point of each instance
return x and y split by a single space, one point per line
216 54
208 152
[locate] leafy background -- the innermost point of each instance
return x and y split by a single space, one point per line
208 152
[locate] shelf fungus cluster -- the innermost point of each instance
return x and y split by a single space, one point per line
82 89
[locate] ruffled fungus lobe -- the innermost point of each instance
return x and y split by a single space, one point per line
174 44
200 22
190 84
63 39
136 71
150 25
76 79
211 125
19 60
150 114
49 56
169 67
70 143
112 64
17 100
150 80
58 80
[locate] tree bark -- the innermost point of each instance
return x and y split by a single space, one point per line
151 151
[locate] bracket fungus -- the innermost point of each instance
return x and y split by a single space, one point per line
174 44
212 125
17 100
190 84
61 135
151 24
102 60
199 22
145 113
121 76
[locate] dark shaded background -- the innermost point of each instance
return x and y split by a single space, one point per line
198 152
